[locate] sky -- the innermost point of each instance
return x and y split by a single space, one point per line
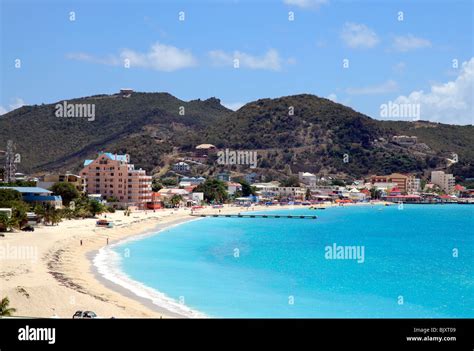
368 55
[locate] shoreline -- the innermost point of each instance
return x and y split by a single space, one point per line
61 277
121 283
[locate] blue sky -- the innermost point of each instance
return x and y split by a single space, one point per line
408 61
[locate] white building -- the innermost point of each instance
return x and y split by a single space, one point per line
182 167
414 185
307 178
356 195
198 198
445 181
405 140
232 187
273 189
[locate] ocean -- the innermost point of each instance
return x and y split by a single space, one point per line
351 262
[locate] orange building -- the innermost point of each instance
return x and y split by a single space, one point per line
112 176
406 183
156 201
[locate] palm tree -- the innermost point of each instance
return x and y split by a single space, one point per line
55 217
13 222
4 310
176 200
3 221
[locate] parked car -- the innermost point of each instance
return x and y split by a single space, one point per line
84 315
28 228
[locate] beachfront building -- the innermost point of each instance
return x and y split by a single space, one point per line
181 167
189 198
197 198
413 185
404 182
233 187
445 181
307 178
168 193
37 196
356 195
50 179
273 190
156 201
112 176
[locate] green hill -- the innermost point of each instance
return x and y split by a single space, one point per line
294 133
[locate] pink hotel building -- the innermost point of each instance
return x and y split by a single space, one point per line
111 175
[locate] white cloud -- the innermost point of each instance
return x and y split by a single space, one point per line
386 87
233 105
82 56
160 57
270 61
332 97
450 102
357 35
17 103
305 4
410 42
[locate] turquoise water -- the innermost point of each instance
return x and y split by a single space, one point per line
229 267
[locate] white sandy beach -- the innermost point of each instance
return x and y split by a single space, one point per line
49 273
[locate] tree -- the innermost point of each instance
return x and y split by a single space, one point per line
214 190
375 193
422 184
247 189
55 216
19 213
39 211
3 222
67 213
156 185
95 207
176 200
67 191
9 195
81 212
169 182
338 182
5 311
292 181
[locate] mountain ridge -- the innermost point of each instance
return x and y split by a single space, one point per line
293 133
